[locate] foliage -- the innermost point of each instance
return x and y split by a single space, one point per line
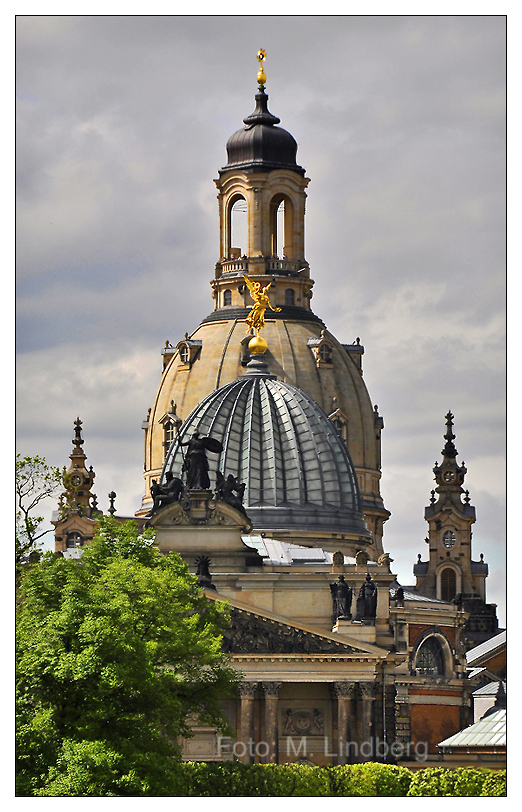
114 652
463 781
35 482
234 779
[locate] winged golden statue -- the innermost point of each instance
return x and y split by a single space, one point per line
256 318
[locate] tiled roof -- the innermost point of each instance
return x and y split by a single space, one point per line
487 732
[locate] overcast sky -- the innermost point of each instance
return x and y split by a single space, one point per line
122 126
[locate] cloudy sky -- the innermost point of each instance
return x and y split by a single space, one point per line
122 126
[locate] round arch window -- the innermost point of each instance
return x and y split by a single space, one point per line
227 298
448 584
430 658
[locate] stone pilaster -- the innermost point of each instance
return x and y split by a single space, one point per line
247 694
368 693
271 693
402 715
344 693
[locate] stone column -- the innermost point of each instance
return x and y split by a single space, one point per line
344 692
366 750
245 746
271 692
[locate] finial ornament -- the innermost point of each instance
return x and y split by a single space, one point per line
256 319
261 76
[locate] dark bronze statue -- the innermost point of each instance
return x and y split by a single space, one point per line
367 600
195 464
342 600
166 494
231 491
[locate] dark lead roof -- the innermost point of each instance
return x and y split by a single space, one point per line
262 146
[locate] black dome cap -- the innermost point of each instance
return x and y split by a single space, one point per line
262 146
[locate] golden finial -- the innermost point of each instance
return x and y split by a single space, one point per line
256 318
261 76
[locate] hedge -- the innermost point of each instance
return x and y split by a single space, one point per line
234 779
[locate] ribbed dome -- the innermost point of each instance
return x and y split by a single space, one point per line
279 442
261 145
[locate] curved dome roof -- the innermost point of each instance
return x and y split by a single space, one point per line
261 145
278 441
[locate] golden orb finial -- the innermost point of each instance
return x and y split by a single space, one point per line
257 345
261 75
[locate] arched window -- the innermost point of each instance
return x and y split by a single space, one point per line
238 227
281 227
448 584
430 658
74 540
289 297
227 298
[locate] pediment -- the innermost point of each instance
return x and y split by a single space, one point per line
253 631
205 512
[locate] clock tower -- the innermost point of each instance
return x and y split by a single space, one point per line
75 521
450 574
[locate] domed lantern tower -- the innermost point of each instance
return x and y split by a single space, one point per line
263 179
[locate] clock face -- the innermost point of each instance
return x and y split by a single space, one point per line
449 476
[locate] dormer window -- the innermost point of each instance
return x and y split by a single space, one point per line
322 349
188 351
171 423
325 353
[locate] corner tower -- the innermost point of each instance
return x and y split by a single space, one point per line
263 183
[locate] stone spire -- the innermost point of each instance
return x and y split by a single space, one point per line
78 480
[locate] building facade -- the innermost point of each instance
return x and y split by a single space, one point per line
262 469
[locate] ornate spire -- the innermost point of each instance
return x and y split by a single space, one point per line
77 479
449 449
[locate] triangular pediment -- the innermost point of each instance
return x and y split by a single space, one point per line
257 631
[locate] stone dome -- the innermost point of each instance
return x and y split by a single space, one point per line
277 440
261 145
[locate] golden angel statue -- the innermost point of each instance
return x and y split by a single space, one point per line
256 318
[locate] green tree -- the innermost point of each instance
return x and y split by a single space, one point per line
115 651
35 482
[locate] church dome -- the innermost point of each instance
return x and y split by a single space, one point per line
279 442
261 145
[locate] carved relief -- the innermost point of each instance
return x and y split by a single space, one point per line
302 722
247 634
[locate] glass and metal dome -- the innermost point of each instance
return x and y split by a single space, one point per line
279 442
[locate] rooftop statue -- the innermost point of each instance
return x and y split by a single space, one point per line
342 600
195 464
167 493
256 319
231 491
